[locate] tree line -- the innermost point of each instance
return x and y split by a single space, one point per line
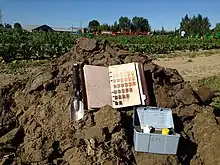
138 24
8 26
197 24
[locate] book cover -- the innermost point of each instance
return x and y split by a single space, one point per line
97 86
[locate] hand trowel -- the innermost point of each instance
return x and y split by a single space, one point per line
77 105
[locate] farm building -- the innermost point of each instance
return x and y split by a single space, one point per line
48 28
32 28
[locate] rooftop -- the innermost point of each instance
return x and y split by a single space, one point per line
31 27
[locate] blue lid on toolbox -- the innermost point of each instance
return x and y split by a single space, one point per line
154 116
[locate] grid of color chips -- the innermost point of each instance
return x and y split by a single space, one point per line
124 84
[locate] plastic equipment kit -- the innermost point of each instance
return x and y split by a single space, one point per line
162 138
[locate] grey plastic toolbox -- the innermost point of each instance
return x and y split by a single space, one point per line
154 142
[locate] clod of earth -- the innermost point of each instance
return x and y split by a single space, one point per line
206 94
207 136
187 96
35 113
87 44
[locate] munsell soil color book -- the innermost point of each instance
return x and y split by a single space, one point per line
117 85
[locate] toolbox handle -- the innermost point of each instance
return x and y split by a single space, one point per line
153 108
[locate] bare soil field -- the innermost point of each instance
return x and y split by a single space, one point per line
192 69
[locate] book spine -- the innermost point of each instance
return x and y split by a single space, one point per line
143 89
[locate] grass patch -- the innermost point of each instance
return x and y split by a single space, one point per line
212 82
207 54
216 103
189 54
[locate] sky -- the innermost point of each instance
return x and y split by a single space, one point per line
67 13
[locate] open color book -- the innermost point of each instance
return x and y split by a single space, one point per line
117 85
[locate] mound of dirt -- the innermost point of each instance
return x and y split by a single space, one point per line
36 129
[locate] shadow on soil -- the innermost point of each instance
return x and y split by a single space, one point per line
56 153
187 148
127 124
217 112
151 95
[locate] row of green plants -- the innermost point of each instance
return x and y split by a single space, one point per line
164 44
19 44
172 47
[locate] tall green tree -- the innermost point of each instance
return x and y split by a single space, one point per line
17 26
8 26
104 27
124 23
206 25
195 25
163 32
185 24
94 25
217 28
140 24
114 27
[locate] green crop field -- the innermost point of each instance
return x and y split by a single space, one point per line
18 44
164 44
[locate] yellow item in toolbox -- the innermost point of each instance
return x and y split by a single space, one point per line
165 131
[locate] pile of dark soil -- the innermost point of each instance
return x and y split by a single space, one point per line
36 129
